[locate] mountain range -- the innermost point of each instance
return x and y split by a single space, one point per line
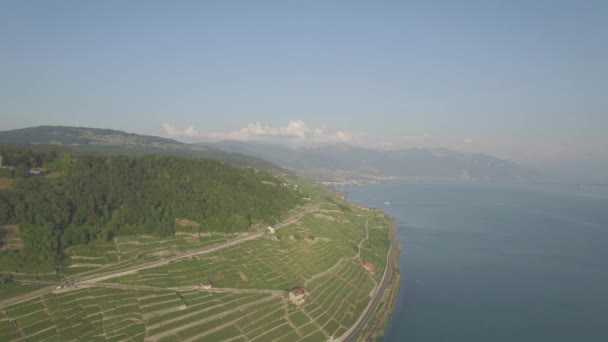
340 163
346 163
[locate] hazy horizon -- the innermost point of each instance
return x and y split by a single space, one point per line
519 81
409 170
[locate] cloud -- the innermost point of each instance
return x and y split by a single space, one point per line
468 140
171 131
296 132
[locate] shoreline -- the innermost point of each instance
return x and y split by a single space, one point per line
378 323
373 321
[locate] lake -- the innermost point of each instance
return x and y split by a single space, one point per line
497 263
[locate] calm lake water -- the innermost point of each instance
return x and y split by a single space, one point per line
497 263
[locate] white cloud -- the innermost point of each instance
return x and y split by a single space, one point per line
296 132
468 140
171 131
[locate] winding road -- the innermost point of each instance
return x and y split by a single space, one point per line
389 272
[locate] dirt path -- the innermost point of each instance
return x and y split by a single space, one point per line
169 260
314 321
327 271
359 250
130 270
288 221
353 333
296 217
358 256
286 309
334 267
84 264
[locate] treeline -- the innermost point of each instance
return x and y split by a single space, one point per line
33 156
99 197
16 161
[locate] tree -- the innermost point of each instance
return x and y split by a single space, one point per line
5 210
21 171
100 197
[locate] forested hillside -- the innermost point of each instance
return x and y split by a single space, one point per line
83 198
114 142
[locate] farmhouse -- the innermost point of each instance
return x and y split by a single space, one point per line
371 268
298 295
206 285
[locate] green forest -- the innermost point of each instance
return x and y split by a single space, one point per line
80 198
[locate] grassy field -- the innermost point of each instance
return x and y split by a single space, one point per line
323 251
86 314
15 288
277 262
375 248
338 299
129 250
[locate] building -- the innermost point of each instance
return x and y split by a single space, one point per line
298 295
206 285
271 230
371 268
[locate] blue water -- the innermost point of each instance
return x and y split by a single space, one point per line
497 263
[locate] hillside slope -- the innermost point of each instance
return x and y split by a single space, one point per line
82 198
107 141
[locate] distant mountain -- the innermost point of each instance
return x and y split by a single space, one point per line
343 162
108 141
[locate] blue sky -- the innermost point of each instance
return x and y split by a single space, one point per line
524 80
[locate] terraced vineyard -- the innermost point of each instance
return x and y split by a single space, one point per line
126 250
220 292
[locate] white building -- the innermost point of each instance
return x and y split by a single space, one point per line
298 295
206 285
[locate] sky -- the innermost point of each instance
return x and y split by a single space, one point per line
521 80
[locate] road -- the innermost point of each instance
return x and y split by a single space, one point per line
231 243
178 289
132 269
355 331
168 260
352 334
